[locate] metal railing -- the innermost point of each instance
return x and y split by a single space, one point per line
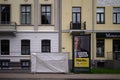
77 26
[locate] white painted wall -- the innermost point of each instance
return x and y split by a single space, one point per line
35 44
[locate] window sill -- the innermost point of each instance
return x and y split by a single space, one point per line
46 25
100 23
116 23
25 25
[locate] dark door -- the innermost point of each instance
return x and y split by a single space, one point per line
116 49
76 17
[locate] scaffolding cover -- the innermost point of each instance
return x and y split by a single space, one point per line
49 62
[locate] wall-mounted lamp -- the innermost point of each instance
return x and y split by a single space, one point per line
25 0
45 0
5 0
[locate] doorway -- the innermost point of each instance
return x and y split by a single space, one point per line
116 49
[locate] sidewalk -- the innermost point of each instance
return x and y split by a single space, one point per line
59 76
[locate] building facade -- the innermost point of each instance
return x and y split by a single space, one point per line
51 26
27 26
98 19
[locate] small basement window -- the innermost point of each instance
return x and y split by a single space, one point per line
100 64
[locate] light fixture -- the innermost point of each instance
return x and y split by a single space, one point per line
25 0
5 0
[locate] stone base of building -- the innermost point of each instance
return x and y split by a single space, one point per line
112 64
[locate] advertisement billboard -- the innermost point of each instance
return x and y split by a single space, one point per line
81 53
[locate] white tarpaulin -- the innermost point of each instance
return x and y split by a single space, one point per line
49 62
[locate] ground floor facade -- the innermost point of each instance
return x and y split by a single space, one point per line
16 49
101 49
104 48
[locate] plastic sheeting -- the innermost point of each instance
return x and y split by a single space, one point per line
49 62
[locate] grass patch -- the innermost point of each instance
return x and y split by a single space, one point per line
105 71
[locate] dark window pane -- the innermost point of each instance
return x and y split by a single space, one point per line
46 46
118 18
48 9
76 10
76 15
78 18
25 64
5 47
49 18
43 8
116 9
102 18
116 15
5 14
100 15
25 14
4 64
100 48
100 10
45 14
25 47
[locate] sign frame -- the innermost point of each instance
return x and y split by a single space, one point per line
84 62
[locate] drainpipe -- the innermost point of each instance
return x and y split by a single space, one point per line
35 15
60 26
92 55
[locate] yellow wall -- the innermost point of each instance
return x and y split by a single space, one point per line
108 49
25 28
46 28
15 9
86 13
67 44
51 2
108 19
15 13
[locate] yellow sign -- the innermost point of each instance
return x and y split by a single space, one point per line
81 62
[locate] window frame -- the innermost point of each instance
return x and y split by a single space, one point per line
25 5
8 46
44 45
6 22
116 13
50 12
4 60
76 13
25 67
100 13
25 45
101 55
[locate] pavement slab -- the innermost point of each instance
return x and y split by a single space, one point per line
41 76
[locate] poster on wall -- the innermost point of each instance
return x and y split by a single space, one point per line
81 53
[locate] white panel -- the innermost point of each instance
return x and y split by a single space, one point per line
52 63
108 2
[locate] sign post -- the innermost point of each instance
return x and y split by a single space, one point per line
81 53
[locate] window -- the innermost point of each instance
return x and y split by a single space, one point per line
116 15
100 15
5 47
76 17
25 47
46 46
4 14
45 14
4 64
25 64
25 14
100 48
